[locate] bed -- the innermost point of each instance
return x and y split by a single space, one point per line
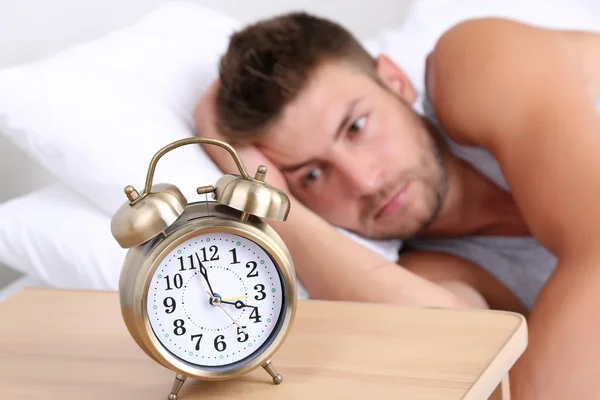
79 80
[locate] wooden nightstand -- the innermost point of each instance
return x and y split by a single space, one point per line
59 344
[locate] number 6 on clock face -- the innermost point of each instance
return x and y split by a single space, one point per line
216 300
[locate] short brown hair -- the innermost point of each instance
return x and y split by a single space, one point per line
268 63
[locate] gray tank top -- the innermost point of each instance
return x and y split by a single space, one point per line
521 263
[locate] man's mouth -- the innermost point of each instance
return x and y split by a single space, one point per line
393 203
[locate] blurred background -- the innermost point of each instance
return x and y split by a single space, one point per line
33 29
36 30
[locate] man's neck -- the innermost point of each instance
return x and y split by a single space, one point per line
474 206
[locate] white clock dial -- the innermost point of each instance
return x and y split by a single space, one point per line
216 299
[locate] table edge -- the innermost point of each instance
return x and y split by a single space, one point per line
500 366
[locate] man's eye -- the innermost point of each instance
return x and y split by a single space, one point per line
313 175
358 125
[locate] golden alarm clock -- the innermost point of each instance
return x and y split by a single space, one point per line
207 289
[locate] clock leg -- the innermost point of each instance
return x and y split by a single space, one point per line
177 384
277 378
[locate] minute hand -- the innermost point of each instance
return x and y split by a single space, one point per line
205 275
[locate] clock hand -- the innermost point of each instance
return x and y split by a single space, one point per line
234 321
232 298
205 275
238 304
216 301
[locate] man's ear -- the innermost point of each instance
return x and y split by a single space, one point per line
395 78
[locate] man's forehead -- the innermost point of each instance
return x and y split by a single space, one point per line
285 145
329 86
309 122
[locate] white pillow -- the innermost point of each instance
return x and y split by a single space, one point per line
54 236
95 114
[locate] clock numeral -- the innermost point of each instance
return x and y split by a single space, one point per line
241 332
220 344
177 281
234 255
179 328
253 273
255 315
261 289
213 257
170 304
198 342
191 258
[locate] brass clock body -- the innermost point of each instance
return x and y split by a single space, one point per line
157 222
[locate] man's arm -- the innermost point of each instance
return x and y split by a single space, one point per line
334 267
520 92
477 284
331 265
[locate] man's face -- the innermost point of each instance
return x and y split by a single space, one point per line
357 155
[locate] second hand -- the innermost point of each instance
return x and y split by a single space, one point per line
217 302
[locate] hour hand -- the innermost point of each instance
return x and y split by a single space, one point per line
204 273
238 304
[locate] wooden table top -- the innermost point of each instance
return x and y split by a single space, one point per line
67 344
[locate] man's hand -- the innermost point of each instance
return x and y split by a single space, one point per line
251 156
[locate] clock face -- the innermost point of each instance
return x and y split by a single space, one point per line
217 300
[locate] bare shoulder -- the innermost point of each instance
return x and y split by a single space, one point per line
483 71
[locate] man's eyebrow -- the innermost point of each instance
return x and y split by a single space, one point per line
340 129
293 168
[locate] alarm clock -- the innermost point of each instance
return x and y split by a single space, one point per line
207 289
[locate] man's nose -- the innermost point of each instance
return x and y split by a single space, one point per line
364 177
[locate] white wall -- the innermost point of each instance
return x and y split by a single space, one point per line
32 28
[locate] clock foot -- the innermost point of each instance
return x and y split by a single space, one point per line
177 384
277 378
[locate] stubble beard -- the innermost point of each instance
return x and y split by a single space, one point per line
433 177
440 182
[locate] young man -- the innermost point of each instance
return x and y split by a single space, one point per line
499 181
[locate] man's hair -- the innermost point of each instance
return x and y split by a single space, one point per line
269 63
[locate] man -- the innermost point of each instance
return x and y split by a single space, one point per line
508 152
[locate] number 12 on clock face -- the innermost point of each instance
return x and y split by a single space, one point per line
216 300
